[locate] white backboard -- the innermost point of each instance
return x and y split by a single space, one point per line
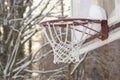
114 16
80 9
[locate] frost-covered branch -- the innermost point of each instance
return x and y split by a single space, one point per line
37 59
1 66
23 66
27 35
57 74
33 9
17 30
76 66
43 71
42 15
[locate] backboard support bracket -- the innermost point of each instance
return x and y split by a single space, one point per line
104 29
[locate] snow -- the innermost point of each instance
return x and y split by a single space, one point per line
97 12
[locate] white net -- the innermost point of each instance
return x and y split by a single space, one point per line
65 42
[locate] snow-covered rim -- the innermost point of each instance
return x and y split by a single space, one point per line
70 21
82 22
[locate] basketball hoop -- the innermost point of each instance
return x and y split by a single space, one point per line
66 36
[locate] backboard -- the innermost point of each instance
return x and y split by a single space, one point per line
109 9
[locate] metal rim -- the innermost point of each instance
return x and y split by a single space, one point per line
103 34
72 20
